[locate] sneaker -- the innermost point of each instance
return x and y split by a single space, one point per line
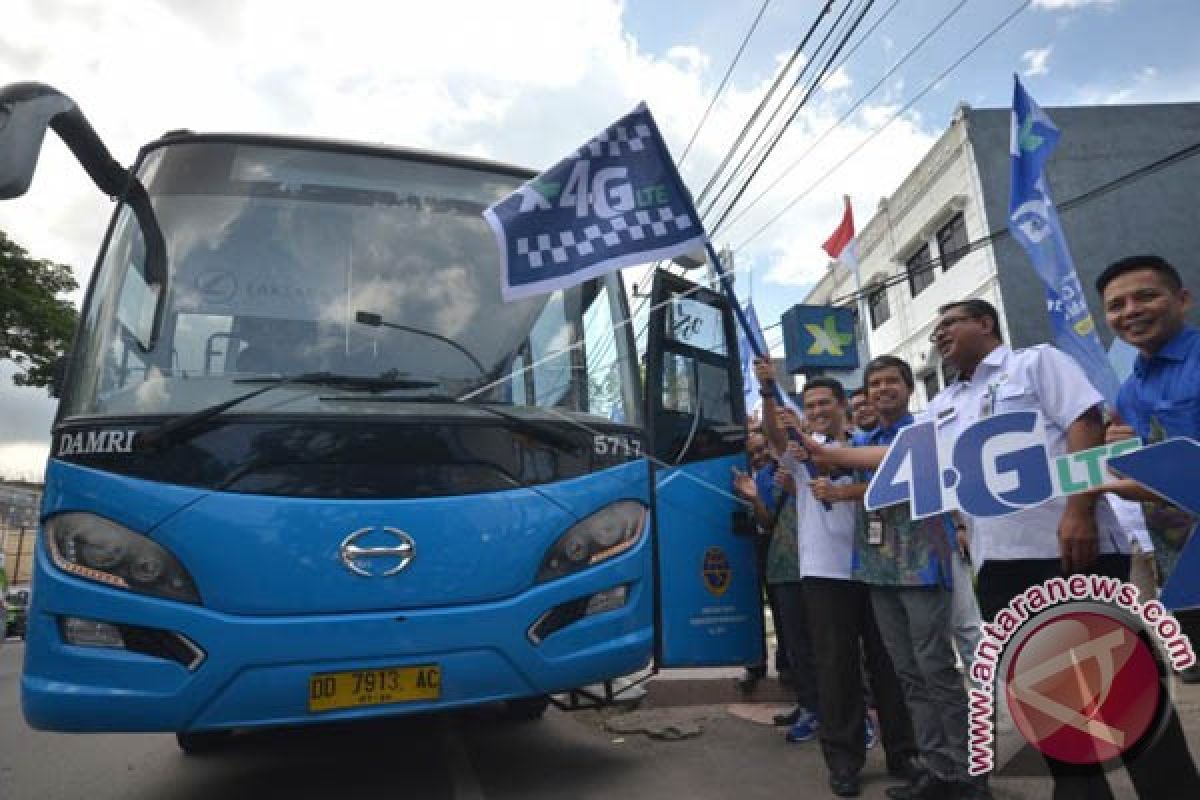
927 786
788 718
804 729
872 737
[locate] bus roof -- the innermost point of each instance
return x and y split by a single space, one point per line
338 146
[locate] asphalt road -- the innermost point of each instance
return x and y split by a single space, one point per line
466 756
469 756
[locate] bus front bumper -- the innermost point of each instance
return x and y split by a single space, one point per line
255 671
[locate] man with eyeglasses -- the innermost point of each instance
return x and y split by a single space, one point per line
1064 535
1060 537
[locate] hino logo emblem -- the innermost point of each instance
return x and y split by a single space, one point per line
397 554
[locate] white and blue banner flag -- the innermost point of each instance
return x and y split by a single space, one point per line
1033 221
615 202
750 386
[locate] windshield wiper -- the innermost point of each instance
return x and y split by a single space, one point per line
551 436
183 428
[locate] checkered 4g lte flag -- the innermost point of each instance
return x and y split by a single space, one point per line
615 202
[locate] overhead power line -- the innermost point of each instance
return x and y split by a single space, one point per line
913 101
750 150
850 111
795 113
724 80
763 103
741 136
1169 160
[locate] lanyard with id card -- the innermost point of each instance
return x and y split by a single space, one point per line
874 528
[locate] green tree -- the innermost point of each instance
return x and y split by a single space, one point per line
36 324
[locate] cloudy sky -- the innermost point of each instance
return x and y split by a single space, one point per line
527 81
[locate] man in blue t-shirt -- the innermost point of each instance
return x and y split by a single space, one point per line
1146 305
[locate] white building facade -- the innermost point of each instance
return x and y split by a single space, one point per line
914 242
941 236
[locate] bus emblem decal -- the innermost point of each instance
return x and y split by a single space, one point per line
716 571
376 559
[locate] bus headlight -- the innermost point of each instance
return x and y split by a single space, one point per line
100 550
603 535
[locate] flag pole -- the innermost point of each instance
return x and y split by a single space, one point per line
860 302
723 277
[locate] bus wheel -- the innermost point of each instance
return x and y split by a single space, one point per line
526 709
197 744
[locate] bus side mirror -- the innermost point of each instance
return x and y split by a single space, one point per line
26 110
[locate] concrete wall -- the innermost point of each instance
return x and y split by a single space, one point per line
1159 213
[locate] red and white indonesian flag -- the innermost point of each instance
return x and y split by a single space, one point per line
842 245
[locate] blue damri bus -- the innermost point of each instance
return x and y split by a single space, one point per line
307 465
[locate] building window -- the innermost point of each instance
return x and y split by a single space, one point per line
877 304
930 381
952 241
920 272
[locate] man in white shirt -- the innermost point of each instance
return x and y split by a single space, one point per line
840 621
1062 536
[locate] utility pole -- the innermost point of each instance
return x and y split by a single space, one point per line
20 552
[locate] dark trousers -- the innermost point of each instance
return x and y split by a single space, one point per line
782 661
843 632
791 629
1165 768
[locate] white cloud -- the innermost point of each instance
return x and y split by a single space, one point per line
1037 62
1146 85
1057 5
693 59
837 80
522 83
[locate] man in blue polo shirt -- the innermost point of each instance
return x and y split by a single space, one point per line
1146 305
907 566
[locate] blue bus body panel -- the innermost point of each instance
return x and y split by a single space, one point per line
280 606
711 606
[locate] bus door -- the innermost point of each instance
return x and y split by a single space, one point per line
709 601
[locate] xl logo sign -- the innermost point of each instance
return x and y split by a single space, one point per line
997 466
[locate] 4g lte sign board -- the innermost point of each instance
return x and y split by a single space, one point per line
997 466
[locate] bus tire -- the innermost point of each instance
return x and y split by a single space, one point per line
202 742
526 709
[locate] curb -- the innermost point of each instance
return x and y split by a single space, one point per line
670 691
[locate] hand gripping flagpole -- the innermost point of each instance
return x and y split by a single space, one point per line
752 340
671 173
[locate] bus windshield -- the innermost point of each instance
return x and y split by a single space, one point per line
287 260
